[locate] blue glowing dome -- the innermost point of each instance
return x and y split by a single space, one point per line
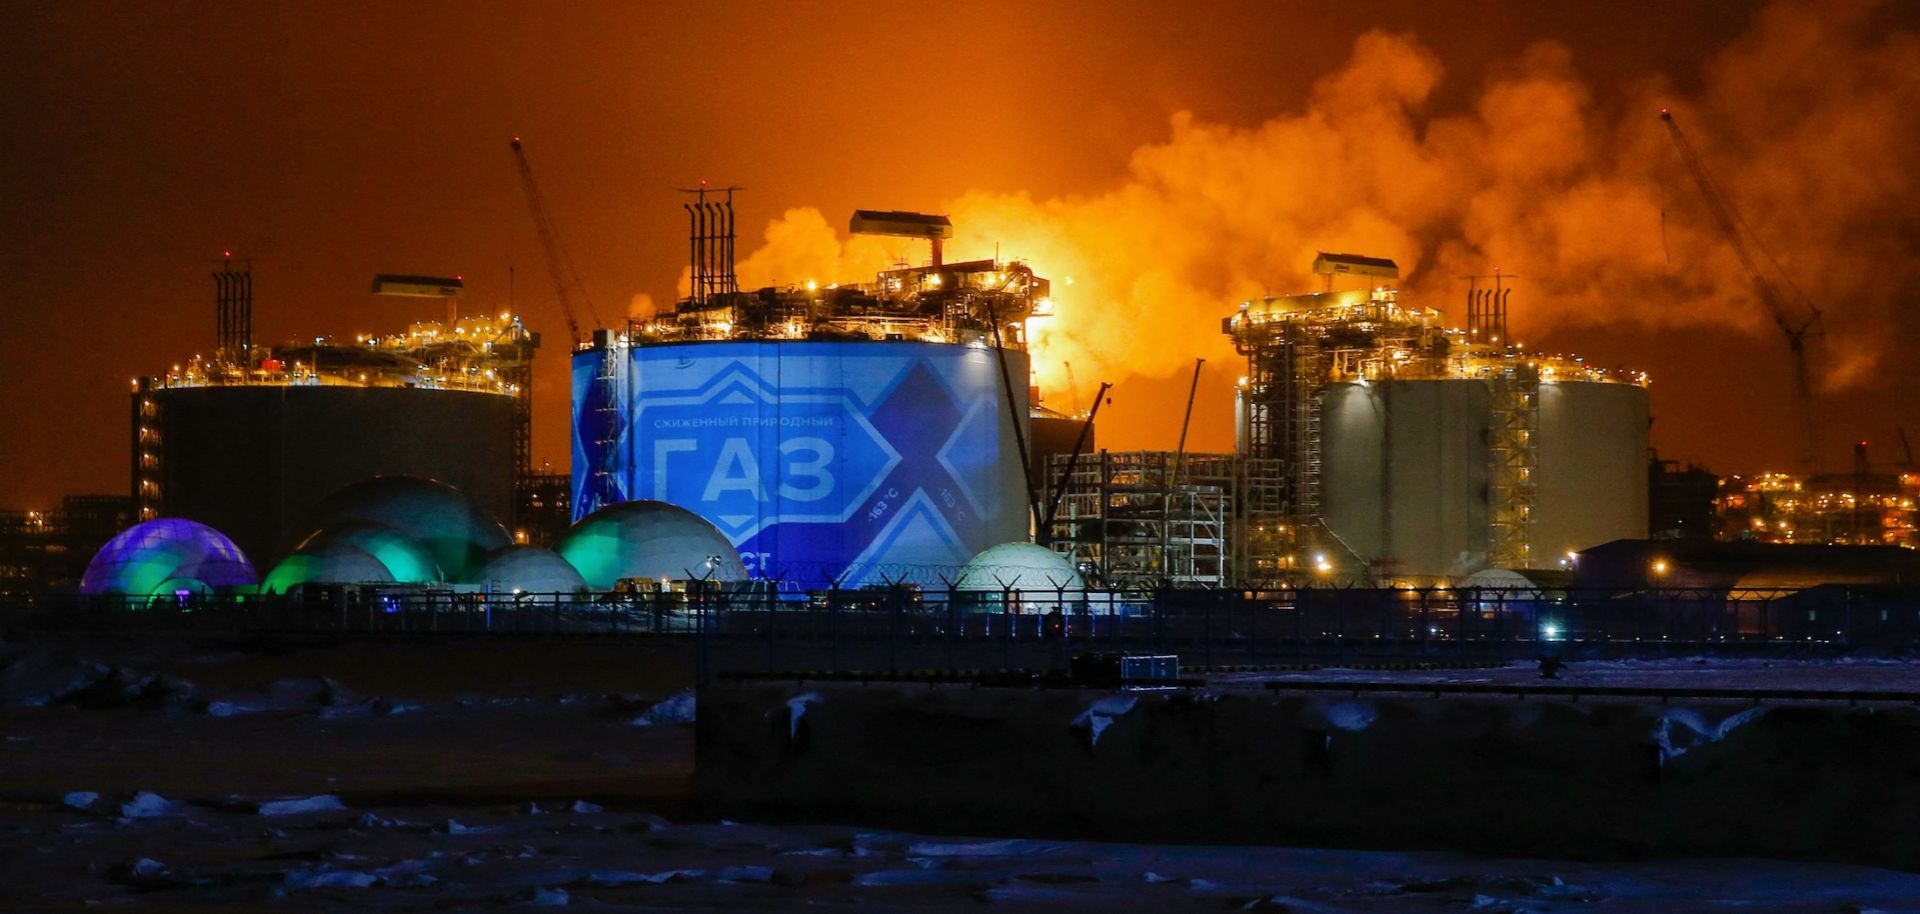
454 531
648 539
164 556
530 569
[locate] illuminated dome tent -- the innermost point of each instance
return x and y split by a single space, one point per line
456 533
1025 567
406 561
648 539
165 556
1045 579
336 564
530 569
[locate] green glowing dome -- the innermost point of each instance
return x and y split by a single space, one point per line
530 569
166 555
1019 566
648 539
456 533
406 560
338 564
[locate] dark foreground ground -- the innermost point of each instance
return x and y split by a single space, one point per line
155 775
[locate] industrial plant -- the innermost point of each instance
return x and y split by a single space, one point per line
1374 444
886 432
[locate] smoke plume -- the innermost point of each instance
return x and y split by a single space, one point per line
1810 123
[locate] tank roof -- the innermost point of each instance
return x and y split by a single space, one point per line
483 353
980 302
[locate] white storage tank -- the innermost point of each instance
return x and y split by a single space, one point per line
1406 480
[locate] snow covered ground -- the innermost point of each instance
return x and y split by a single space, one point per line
182 780
392 858
1842 674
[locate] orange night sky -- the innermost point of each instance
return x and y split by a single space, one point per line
1173 158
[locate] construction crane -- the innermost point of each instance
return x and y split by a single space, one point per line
566 279
1797 331
1043 534
1073 392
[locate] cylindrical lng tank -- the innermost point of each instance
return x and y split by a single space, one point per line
847 461
1407 476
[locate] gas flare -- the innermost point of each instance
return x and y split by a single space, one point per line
1812 120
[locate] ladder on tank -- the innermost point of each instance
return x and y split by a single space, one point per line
1511 482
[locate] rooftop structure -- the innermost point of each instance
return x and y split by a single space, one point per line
981 302
479 353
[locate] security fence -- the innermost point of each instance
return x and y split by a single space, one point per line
752 626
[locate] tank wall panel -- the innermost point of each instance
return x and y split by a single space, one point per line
1353 478
1438 464
1404 478
1592 483
820 461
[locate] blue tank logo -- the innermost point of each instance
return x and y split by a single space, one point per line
823 462
747 457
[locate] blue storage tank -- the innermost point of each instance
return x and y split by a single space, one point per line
848 461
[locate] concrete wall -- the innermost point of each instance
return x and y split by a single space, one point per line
1500 776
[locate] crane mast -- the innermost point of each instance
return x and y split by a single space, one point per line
566 279
1797 333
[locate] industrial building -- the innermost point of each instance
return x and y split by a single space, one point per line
249 439
844 433
1416 451
1373 443
1862 508
42 551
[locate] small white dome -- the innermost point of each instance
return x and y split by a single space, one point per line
1020 566
530 569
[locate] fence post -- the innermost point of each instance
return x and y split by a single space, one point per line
1206 631
833 624
1007 623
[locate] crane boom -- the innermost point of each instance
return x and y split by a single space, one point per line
1073 392
566 279
1797 332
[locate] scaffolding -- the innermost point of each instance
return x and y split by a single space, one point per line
1296 346
1123 517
